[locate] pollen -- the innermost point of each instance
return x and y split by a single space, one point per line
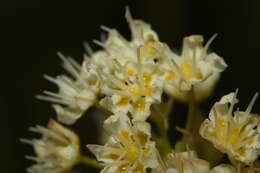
146 78
187 70
122 168
131 72
146 150
148 91
124 101
132 152
134 89
125 134
147 50
250 142
234 136
143 138
140 104
92 82
169 77
222 122
113 156
139 169
241 152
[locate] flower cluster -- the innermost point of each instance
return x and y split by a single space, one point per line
127 79
233 133
58 149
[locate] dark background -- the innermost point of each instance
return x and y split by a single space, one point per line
33 31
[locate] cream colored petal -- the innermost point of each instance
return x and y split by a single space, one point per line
67 115
140 30
105 154
190 44
223 168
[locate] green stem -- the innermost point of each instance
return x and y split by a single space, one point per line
161 121
90 162
190 123
165 146
192 113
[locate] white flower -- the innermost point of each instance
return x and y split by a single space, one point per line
172 170
76 95
186 162
143 38
132 88
129 148
223 168
125 71
233 133
194 69
57 151
141 31
130 75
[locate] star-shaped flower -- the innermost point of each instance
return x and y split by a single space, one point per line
233 133
57 151
129 148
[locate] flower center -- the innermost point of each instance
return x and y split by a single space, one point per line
132 152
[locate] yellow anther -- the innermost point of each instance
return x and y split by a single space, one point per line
169 77
146 78
140 104
124 101
132 152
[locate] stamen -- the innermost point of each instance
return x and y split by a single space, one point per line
233 102
88 48
205 49
105 28
27 141
251 104
99 43
69 65
61 82
128 15
51 99
62 97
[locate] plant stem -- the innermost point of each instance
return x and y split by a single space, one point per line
190 123
192 113
90 162
161 121
164 143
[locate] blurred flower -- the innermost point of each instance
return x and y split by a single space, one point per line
76 94
141 31
223 168
129 148
57 151
233 133
186 162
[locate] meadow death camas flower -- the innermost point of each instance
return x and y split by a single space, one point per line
131 77
76 93
233 133
129 149
194 69
56 152
125 78
186 162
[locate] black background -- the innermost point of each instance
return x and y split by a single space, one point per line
33 31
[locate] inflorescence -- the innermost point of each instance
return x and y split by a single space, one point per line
127 80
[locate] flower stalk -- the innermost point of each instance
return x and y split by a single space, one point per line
90 162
